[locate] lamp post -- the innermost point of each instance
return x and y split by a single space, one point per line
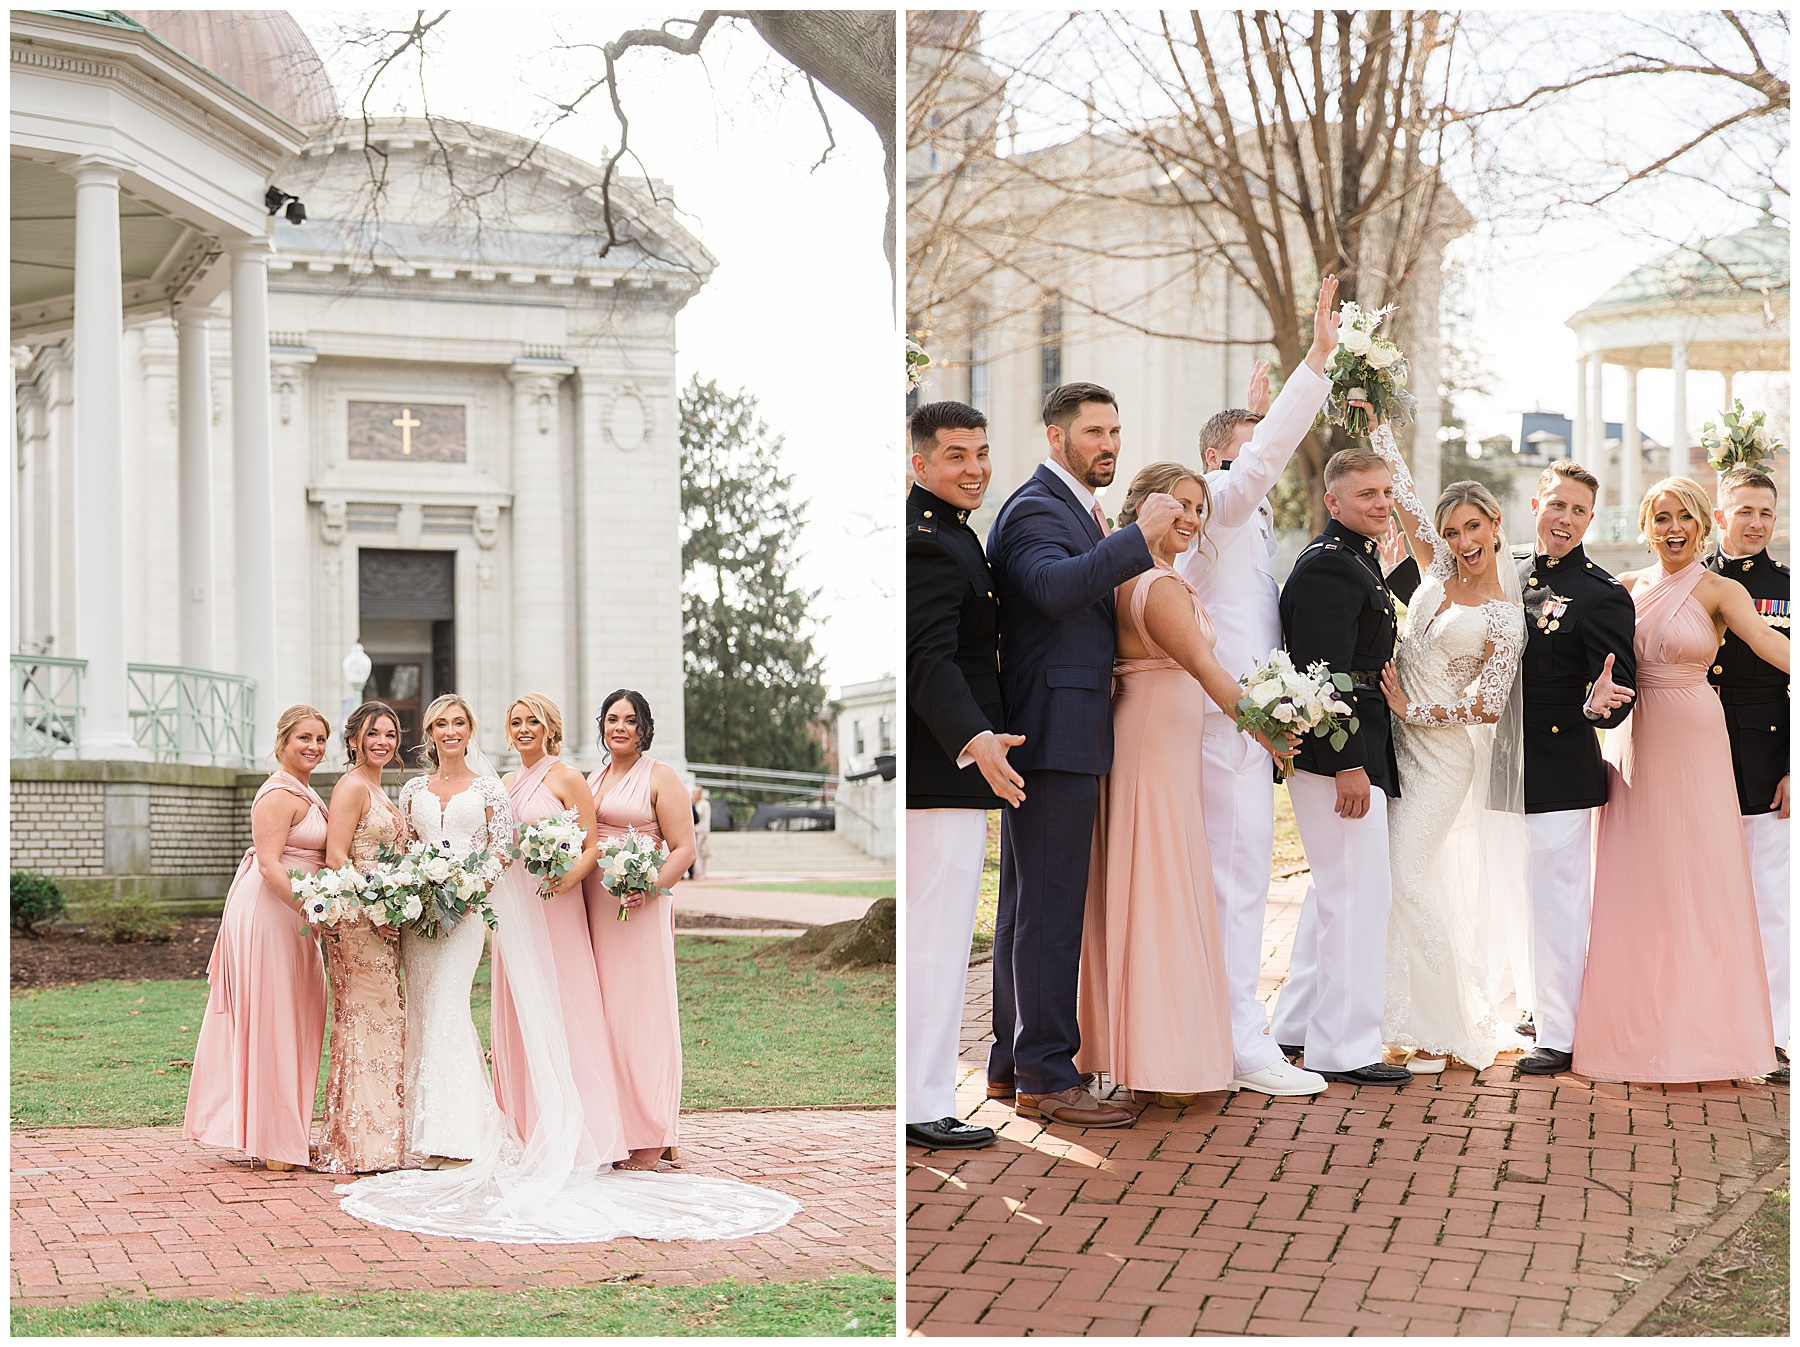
357 668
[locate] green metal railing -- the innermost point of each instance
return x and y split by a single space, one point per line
193 715
46 706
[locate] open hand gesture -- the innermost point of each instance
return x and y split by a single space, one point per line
1325 326
1607 695
989 752
1392 546
1390 688
1257 399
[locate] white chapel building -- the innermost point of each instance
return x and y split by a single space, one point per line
435 416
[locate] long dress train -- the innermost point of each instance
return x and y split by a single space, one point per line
1153 1006
1675 988
636 963
365 1120
578 985
256 1065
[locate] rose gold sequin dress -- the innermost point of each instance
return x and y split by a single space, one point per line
364 1094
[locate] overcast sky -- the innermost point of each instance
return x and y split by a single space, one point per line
799 310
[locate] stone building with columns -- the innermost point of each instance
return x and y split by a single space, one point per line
438 416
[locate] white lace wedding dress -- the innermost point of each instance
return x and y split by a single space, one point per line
553 1186
1457 839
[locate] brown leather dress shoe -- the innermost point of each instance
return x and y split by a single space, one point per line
1073 1107
1005 1089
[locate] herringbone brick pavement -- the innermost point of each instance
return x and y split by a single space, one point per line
1479 1204
139 1212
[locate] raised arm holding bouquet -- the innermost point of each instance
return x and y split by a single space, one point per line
1368 375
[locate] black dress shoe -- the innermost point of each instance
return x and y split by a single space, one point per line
1375 1073
1779 1076
1526 1027
1545 1062
949 1134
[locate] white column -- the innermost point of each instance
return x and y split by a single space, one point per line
21 359
100 462
1630 488
1727 376
539 569
1596 437
253 481
1678 437
1578 449
194 516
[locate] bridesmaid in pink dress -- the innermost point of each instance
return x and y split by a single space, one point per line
1675 988
256 1065
636 958
1154 1011
546 785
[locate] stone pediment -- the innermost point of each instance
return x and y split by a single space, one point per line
442 202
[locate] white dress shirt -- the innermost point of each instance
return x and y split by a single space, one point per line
1083 496
1232 566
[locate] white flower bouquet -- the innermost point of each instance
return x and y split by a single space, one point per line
1740 439
630 864
917 362
549 848
1366 368
329 898
446 887
1285 704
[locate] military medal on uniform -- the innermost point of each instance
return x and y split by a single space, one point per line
1773 611
1550 615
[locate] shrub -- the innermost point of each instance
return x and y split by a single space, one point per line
35 898
125 921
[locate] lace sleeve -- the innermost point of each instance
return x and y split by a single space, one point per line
500 815
408 792
1499 666
1443 560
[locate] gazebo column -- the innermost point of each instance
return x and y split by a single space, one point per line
1578 448
1596 435
1630 451
1727 376
1678 438
253 479
194 514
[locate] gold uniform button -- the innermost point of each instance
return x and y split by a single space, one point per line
1556 729
1532 581
1718 668
928 514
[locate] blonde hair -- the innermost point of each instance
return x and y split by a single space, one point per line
428 750
1346 461
1467 493
291 720
1689 492
1568 470
545 710
1163 477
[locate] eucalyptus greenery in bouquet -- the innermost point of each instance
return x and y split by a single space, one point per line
630 864
1369 368
1740 439
549 848
1285 704
446 886
329 897
917 362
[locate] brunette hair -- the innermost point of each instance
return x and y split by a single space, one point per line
935 416
545 710
428 750
1689 492
1062 402
1346 461
1568 469
1466 493
358 723
646 725
291 720
1745 476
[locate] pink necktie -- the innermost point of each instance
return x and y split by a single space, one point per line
1100 519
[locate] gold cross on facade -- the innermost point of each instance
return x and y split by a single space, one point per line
406 422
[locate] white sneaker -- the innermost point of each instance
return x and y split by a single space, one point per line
1281 1078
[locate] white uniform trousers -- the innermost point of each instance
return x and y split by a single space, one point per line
1766 839
1562 904
944 851
1239 798
1332 1000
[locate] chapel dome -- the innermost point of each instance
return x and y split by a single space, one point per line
263 52
1753 261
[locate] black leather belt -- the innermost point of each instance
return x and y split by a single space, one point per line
1366 680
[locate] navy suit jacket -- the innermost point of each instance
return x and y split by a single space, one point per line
1054 574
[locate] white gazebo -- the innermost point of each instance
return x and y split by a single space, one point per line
1720 305
139 178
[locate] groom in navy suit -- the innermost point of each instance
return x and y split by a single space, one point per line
1056 563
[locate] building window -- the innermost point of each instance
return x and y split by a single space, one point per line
1051 348
978 363
856 737
884 733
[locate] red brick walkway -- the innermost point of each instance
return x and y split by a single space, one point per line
137 1211
1472 1204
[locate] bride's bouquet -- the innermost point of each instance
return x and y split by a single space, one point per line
1366 368
630 864
439 887
549 848
1740 439
1285 704
329 897
917 362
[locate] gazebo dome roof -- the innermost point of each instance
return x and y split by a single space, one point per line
1753 261
264 53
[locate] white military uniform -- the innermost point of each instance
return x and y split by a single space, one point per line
1233 568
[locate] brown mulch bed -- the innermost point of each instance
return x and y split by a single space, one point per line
63 958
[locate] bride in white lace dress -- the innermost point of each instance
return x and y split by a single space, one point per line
1457 838
555 1185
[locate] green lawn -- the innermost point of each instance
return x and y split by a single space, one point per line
841 888
1740 1289
756 1031
856 1306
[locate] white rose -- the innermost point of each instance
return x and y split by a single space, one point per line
437 869
1264 693
412 909
1383 354
1356 341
